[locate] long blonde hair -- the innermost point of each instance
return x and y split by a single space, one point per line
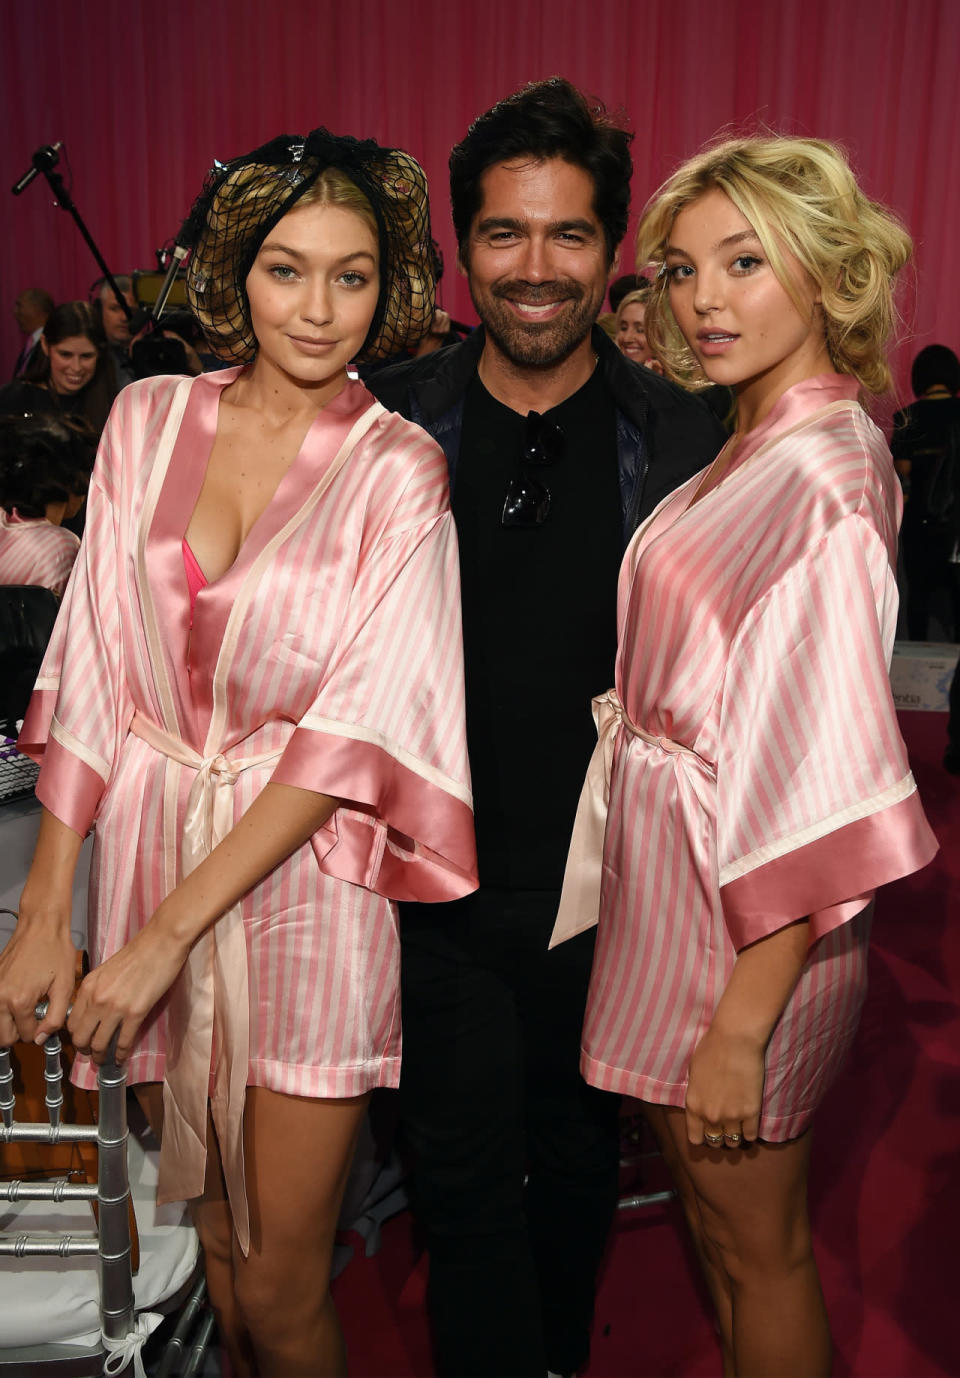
800 195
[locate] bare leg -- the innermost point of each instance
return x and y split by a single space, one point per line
214 1224
718 1284
298 1155
752 1206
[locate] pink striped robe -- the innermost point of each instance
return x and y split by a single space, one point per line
770 783
35 551
327 657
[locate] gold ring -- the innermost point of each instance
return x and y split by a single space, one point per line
713 1138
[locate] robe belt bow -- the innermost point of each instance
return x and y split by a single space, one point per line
580 897
210 997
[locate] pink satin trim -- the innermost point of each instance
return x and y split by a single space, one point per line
69 788
580 897
35 734
209 997
831 879
429 854
802 400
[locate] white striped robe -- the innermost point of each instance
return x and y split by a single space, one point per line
329 656
756 627
35 551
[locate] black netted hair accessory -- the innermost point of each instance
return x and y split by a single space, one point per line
241 202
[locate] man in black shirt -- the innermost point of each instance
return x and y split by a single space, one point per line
558 446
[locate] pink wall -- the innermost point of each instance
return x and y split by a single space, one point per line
146 95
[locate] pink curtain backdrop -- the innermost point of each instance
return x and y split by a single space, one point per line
146 95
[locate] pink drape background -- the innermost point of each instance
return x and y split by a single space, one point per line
146 95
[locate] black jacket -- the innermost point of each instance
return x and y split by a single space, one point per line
663 433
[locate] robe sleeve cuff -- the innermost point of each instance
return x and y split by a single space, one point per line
36 722
397 832
67 786
830 879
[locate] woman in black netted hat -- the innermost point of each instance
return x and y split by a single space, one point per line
254 694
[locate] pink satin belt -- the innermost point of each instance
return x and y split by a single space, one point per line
209 997
580 897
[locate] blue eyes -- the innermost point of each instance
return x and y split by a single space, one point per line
283 272
742 266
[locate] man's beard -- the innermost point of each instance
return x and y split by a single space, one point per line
539 344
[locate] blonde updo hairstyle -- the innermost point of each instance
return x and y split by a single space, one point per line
798 194
242 201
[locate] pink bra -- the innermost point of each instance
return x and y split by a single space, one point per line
196 579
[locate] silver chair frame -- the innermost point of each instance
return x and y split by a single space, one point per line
110 1243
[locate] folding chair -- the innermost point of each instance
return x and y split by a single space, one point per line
122 1330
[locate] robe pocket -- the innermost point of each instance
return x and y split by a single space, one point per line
298 651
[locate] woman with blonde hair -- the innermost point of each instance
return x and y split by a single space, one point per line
254 695
759 790
631 336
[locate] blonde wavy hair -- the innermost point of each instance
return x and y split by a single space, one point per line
800 195
639 296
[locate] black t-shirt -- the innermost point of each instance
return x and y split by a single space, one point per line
539 611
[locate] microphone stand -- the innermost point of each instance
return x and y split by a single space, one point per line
45 161
65 202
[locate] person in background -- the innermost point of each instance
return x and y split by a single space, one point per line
30 310
951 757
45 465
254 695
628 282
440 334
116 327
558 446
759 790
69 375
926 452
631 335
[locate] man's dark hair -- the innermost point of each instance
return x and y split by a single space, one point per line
43 459
621 287
935 364
547 119
39 299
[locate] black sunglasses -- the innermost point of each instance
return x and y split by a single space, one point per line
527 500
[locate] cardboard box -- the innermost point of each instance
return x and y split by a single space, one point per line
920 674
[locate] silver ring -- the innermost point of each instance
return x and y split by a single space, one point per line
714 1139
734 1138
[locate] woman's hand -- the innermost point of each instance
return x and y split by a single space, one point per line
725 1089
119 994
39 962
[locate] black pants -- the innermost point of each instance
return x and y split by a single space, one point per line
926 561
490 1094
